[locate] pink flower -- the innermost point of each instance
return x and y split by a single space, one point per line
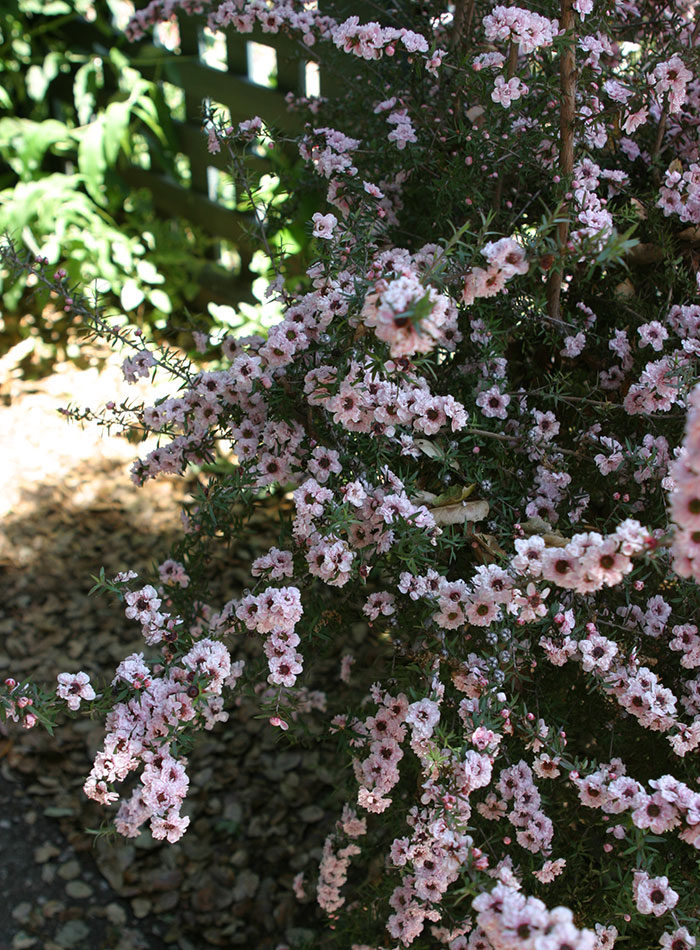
172 572
550 870
507 92
493 403
250 129
423 716
635 119
653 895
653 334
142 605
324 225
672 77
74 687
680 939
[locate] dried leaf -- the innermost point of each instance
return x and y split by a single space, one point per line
692 235
625 289
489 548
555 540
551 538
644 254
535 526
639 208
461 513
453 495
433 451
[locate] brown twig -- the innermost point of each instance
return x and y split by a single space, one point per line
567 85
660 133
462 23
510 72
512 439
696 31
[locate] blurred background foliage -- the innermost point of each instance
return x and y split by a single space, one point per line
76 112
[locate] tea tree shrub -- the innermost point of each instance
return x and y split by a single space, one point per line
483 400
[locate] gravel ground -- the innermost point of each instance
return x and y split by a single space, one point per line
260 807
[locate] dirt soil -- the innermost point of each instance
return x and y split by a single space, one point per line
260 808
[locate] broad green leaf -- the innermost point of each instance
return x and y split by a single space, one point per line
38 77
131 295
45 7
118 59
91 159
24 143
116 128
148 273
160 300
84 91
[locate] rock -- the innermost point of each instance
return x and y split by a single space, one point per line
165 880
21 941
204 900
311 814
53 908
69 870
299 936
113 862
288 760
78 889
115 914
72 934
166 902
215 937
45 852
246 885
195 848
22 912
141 907
233 812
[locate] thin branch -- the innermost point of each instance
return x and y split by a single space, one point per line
91 313
696 29
567 84
510 72
462 24
660 133
502 437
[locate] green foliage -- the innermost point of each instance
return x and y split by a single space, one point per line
73 114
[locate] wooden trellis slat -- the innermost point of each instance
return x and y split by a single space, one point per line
243 98
176 200
233 89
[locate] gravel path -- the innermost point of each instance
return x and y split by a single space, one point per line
260 808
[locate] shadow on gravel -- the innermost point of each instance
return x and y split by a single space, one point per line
260 808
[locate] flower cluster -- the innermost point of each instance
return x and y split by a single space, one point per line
160 703
685 497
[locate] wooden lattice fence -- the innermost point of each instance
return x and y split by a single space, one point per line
235 82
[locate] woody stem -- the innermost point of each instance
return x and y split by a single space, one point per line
567 85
